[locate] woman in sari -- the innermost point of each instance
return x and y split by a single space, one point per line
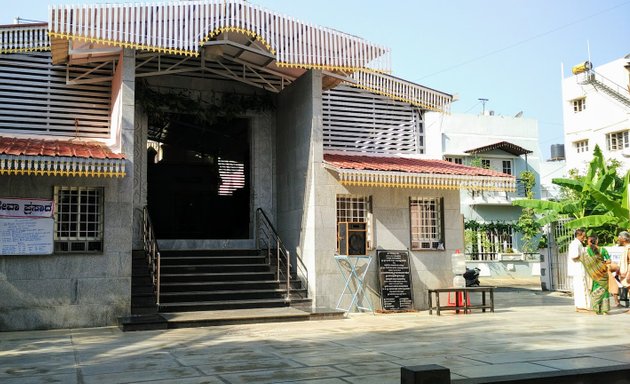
596 263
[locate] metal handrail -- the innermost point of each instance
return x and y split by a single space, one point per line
152 252
267 239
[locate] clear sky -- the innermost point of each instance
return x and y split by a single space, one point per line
507 51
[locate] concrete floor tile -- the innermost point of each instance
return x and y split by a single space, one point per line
531 332
34 368
213 357
622 356
356 357
578 362
448 361
374 368
500 369
518 356
375 379
172 374
127 365
68 378
317 381
284 375
187 380
110 356
224 367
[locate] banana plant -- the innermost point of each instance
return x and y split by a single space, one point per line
599 201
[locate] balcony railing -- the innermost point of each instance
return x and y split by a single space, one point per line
491 197
499 256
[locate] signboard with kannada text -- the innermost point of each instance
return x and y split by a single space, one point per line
22 208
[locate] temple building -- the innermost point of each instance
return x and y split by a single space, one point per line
205 155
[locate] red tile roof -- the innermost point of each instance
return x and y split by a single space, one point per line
56 148
405 164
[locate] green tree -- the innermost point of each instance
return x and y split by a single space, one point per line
527 224
598 200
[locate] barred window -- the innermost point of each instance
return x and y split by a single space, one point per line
507 167
617 141
426 223
355 209
485 163
581 146
78 219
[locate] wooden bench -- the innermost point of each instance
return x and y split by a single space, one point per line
462 299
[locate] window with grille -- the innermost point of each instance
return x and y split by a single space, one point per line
78 219
485 163
426 223
456 160
617 141
581 146
579 105
507 166
355 209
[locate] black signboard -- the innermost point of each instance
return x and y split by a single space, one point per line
395 279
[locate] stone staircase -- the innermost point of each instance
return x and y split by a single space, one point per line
220 287
202 280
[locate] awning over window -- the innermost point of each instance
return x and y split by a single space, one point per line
504 146
404 172
21 156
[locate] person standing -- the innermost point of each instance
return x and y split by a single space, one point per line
595 263
624 241
575 269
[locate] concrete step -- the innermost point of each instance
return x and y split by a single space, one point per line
212 268
205 277
225 295
227 285
226 317
209 252
211 260
197 306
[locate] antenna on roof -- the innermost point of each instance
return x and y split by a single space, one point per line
483 105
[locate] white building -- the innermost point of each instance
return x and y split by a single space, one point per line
596 111
501 143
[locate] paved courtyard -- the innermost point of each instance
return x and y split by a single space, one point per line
531 331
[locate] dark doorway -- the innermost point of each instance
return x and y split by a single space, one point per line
198 180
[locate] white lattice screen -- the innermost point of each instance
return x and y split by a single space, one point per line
359 121
35 99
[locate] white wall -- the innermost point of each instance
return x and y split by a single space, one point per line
602 114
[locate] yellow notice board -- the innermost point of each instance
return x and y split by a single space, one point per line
26 236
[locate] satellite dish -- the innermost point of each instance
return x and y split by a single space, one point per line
520 114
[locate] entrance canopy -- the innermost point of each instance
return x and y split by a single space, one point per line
262 41
405 172
59 158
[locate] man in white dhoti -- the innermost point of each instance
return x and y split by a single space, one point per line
576 270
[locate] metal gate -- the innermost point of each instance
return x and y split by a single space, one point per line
559 238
